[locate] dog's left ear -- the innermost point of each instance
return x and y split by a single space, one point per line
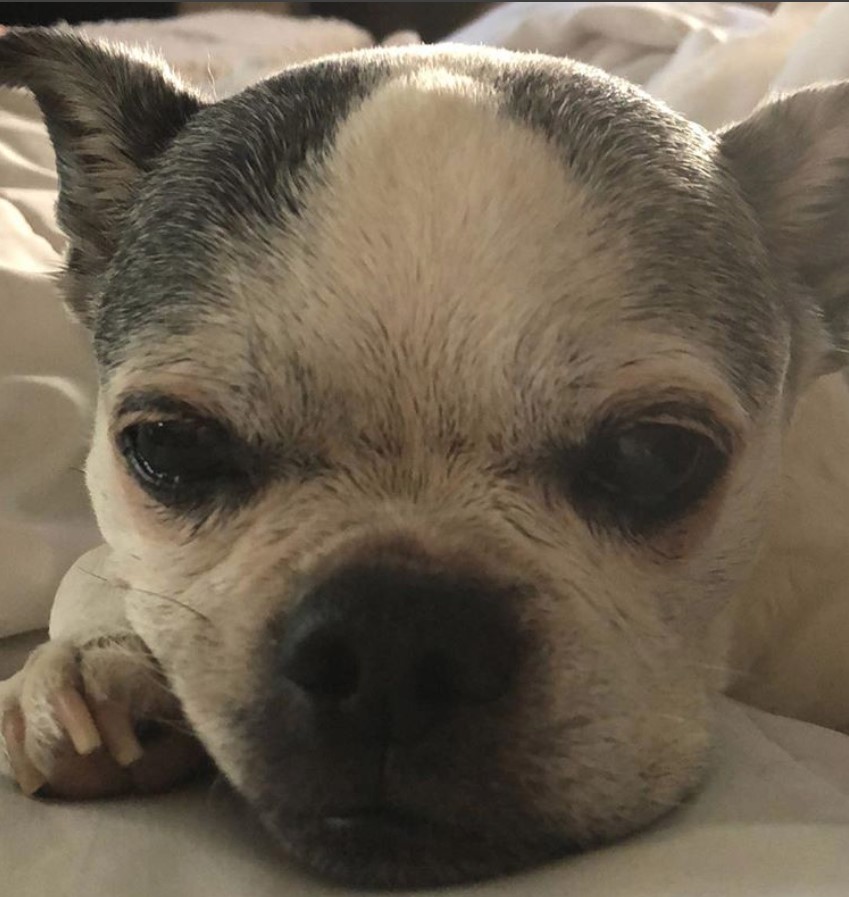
110 113
791 158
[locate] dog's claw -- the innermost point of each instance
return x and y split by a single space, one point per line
118 765
75 718
68 723
116 729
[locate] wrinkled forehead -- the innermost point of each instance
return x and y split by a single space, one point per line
441 233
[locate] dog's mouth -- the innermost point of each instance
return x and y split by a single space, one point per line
387 846
377 818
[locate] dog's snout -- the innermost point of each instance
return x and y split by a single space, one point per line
388 653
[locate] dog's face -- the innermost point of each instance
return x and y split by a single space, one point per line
441 409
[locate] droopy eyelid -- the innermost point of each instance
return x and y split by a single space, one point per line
159 404
688 414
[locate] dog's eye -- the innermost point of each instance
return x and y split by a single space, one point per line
173 455
649 473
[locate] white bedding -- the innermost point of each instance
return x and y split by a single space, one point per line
774 819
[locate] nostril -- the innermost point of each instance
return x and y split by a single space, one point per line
325 666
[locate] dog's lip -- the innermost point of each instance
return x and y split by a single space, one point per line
384 846
374 816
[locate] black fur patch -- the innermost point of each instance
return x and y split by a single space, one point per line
238 170
110 116
660 180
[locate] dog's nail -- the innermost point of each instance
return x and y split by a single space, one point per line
73 713
116 730
29 779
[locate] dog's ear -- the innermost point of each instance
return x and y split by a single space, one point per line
110 113
791 158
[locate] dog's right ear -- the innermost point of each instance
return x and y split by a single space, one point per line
110 113
791 158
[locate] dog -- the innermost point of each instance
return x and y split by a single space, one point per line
468 422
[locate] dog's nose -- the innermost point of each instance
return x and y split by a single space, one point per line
385 653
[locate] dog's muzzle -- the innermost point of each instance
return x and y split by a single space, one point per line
386 696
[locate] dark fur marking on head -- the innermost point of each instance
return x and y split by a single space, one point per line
659 178
110 116
240 170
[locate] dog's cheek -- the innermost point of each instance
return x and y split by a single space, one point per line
210 669
209 643
614 725
700 591
635 654
125 515
153 548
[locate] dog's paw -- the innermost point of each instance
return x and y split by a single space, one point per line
93 720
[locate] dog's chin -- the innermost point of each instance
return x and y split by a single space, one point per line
384 847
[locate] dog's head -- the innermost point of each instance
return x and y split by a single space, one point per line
442 396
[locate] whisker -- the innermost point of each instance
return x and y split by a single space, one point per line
719 668
127 588
677 718
170 723
218 793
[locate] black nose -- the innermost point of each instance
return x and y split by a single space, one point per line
385 653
